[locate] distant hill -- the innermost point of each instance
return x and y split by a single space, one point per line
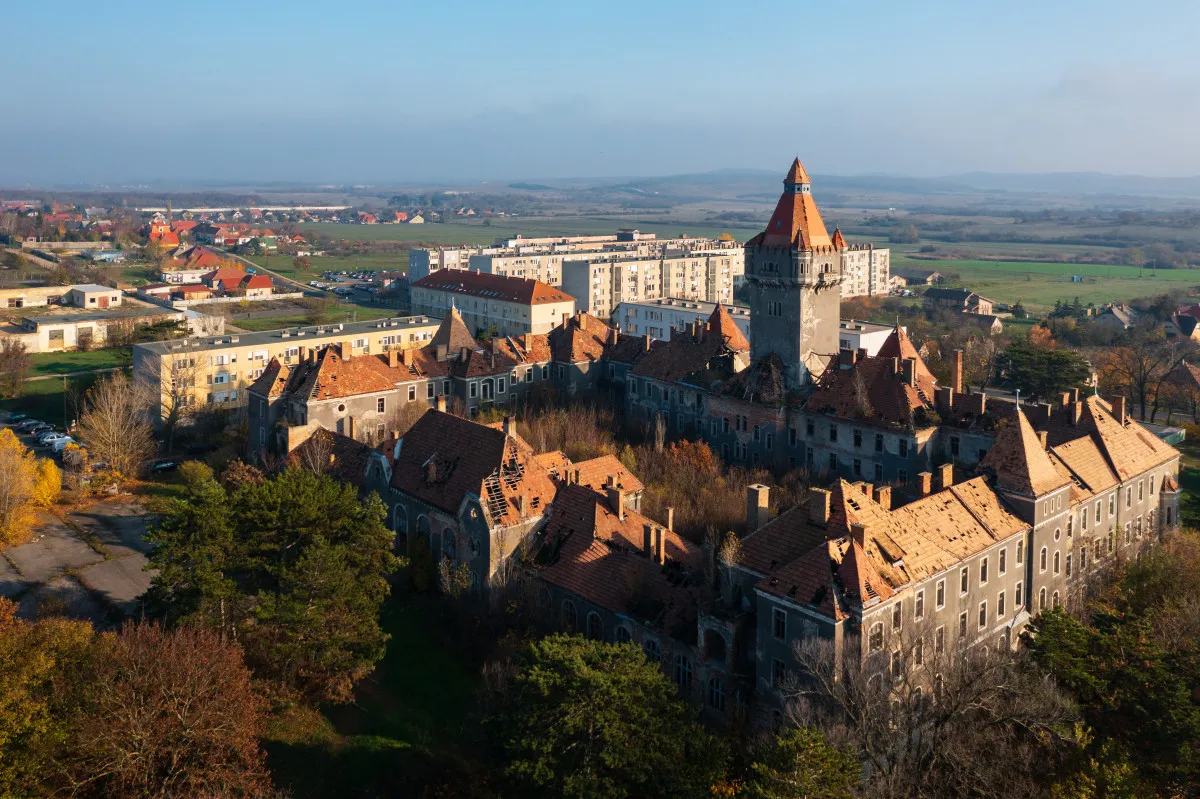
1080 183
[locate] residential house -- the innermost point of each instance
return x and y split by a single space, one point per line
962 300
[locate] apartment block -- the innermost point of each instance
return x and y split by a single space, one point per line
215 370
505 306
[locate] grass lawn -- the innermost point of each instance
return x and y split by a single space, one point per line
337 313
53 363
408 717
1189 481
46 400
1039 285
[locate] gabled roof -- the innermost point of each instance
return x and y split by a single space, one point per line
595 473
1086 464
453 334
444 459
496 287
699 354
796 221
721 323
874 389
257 282
1130 448
345 459
1020 462
899 345
273 381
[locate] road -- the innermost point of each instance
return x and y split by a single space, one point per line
258 268
61 375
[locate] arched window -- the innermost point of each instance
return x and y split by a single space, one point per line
544 600
1057 561
1068 564
653 653
449 545
423 528
875 639
1043 561
716 694
570 619
1042 599
595 628
1055 599
621 634
1020 552
400 525
683 672
1057 533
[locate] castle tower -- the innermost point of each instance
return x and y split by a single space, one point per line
794 273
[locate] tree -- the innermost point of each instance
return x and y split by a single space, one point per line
591 719
295 565
114 424
904 235
169 714
1042 373
800 764
25 485
932 723
1139 365
15 364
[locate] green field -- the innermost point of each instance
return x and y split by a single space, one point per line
534 226
337 313
53 363
46 399
1039 285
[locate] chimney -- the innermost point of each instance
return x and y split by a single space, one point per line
406 357
616 500
1118 409
1076 412
924 483
671 518
1065 399
818 505
858 531
566 318
312 356
347 350
978 404
441 403
648 540
895 366
909 369
1074 395
957 385
758 506
521 505
393 359
613 335
660 546
1044 410
646 342
883 497
510 425
1042 435
576 477
350 427
945 398
527 342
945 476
440 351
847 358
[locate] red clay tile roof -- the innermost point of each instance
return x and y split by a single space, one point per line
594 473
192 288
230 275
796 221
444 459
596 555
1130 448
452 333
345 459
257 282
583 337
1020 462
899 345
273 381
498 287
715 351
839 241
874 389
1086 464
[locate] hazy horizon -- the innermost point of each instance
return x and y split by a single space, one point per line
310 93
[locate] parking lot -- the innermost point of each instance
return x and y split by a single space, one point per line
90 564
345 283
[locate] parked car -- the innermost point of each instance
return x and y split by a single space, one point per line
38 428
13 418
162 466
59 444
28 423
47 436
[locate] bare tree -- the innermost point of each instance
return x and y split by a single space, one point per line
930 720
15 364
316 453
1139 366
114 424
169 391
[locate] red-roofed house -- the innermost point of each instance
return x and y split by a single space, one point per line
506 306
256 286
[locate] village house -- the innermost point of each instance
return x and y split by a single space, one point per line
961 300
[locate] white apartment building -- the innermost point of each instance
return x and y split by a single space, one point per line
507 306
658 318
855 334
866 271
599 285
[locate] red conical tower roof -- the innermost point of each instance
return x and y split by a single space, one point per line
797 174
797 221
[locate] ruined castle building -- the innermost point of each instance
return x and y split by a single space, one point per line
794 272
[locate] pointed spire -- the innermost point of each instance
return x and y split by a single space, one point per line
723 324
453 333
1020 461
899 345
796 175
839 241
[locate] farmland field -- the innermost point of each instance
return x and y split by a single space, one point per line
1039 285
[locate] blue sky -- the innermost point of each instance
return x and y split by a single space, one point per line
378 92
